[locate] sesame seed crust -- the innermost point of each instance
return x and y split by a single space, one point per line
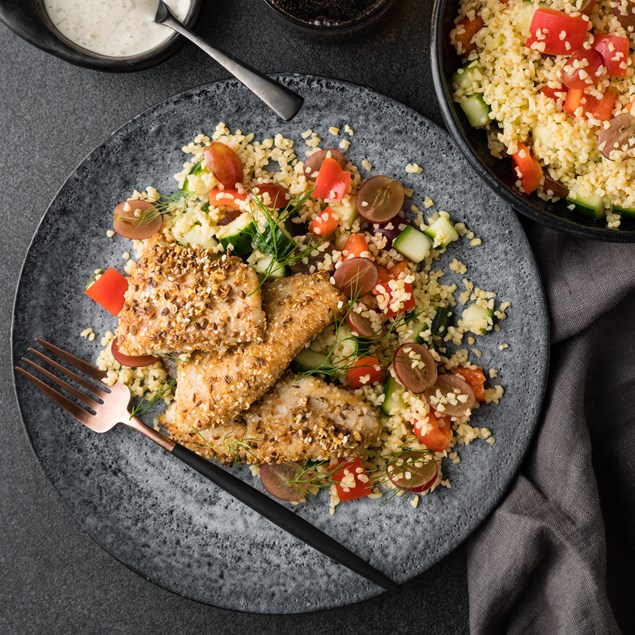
215 388
181 299
299 419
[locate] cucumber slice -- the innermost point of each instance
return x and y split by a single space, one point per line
269 267
412 244
477 319
624 211
345 212
416 329
393 402
476 110
309 359
194 236
442 319
587 202
464 77
442 231
239 233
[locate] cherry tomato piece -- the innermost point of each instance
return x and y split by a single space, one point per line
109 291
351 480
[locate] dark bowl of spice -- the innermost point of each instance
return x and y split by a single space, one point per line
330 16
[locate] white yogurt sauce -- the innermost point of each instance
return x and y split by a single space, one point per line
116 28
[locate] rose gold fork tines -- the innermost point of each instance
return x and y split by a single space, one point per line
99 407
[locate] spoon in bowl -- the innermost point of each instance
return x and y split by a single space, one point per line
283 101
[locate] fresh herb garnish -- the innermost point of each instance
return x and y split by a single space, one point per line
145 405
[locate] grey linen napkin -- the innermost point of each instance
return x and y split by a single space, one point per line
539 563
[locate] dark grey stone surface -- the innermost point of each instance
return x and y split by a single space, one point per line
53 578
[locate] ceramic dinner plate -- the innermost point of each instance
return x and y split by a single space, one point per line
166 522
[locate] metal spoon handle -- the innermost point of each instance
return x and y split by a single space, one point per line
283 101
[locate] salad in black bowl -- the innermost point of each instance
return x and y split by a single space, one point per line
539 97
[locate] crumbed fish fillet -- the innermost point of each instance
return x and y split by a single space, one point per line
214 389
183 299
299 419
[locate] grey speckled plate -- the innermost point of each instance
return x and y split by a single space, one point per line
163 520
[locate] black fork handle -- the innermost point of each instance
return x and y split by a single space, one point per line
283 517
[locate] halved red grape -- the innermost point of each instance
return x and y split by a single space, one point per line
356 277
379 199
413 472
360 325
313 163
277 479
278 195
415 367
584 68
455 388
389 230
136 220
129 360
223 163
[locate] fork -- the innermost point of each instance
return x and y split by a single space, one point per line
106 406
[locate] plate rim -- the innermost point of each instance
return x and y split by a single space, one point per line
448 547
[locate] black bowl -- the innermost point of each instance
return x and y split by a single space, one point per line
497 173
29 20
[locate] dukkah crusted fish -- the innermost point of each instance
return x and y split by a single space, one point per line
299 419
182 299
215 388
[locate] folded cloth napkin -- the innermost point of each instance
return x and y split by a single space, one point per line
539 563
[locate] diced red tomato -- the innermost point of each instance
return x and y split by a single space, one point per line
601 109
615 50
356 247
400 270
527 168
546 28
332 181
223 163
465 31
109 291
227 198
475 378
383 275
554 93
438 435
365 371
325 223
351 480
630 106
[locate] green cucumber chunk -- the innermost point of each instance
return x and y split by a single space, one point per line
309 359
412 244
194 236
393 402
442 231
239 234
477 319
267 266
476 110
464 77
274 240
624 211
589 203
442 319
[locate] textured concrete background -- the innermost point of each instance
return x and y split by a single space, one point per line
53 578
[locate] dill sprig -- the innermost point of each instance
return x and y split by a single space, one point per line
145 405
175 203
311 477
268 230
